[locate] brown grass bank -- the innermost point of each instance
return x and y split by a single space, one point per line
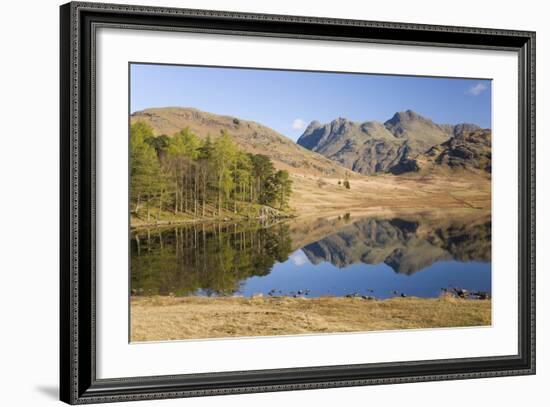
168 318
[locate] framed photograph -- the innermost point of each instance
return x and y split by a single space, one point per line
255 203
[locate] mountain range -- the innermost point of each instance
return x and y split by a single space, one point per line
408 142
401 144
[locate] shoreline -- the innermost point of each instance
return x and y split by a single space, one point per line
200 221
374 212
175 318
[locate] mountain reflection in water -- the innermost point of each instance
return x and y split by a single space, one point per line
340 256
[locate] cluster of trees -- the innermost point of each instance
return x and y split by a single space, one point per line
184 174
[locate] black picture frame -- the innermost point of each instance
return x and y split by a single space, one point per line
78 382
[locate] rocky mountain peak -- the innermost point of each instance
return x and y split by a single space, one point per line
372 146
401 120
312 126
460 128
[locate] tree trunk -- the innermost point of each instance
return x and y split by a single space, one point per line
176 200
195 193
138 245
176 189
203 195
160 204
185 191
138 203
148 212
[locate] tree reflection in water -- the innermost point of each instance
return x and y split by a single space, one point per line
217 259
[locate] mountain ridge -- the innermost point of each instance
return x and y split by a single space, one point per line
251 136
407 142
371 147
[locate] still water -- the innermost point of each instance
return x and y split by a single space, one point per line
342 256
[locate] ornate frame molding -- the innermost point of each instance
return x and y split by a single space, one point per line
77 176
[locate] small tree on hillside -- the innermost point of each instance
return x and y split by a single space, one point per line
346 181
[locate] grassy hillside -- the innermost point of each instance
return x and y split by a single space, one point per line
248 135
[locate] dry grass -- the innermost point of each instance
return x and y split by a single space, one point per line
168 318
390 194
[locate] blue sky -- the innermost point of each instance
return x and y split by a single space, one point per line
288 101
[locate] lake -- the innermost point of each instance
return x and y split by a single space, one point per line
340 256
